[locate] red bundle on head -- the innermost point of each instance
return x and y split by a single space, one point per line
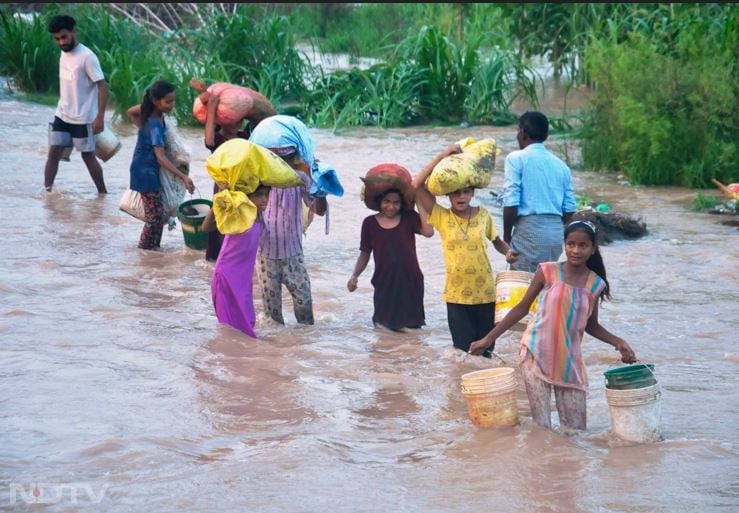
384 177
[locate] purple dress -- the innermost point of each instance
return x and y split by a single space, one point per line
231 286
397 280
215 238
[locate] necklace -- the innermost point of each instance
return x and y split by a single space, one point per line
467 226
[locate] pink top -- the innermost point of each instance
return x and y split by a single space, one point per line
554 334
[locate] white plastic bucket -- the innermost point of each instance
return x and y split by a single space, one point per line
636 414
488 380
510 287
106 144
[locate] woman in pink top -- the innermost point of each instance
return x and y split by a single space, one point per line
551 346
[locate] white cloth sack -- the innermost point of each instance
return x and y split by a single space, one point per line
131 204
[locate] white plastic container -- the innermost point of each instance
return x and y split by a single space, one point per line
636 414
107 144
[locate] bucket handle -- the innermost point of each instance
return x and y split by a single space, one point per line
200 196
605 380
494 354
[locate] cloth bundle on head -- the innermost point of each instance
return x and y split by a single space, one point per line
471 168
280 132
244 166
382 178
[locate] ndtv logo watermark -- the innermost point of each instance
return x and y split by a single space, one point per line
52 493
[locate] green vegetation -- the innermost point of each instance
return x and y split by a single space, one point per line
28 56
665 110
664 75
702 202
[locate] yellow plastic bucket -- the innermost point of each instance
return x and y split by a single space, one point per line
510 287
491 397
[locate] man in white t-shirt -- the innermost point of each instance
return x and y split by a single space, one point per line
83 96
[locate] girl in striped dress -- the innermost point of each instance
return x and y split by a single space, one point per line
551 347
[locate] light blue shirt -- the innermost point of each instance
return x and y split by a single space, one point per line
537 182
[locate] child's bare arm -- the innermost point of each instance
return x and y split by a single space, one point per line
167 164
198 85
209 223
595 329
516 313
210 122
134 114
504 249
424 199
362 261
426 229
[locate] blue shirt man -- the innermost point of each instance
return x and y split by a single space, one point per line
538 197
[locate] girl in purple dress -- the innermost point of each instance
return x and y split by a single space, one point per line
390 235
233 273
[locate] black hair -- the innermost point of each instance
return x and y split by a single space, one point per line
61 22
157 91
595 262
535 125
262 187
292 159
383 194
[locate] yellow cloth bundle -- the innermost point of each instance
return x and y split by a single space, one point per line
244 166
471 168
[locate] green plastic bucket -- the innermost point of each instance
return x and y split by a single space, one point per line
195 238
630 377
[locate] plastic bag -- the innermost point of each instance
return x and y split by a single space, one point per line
173 189
471 168
244 166
175 147
132 204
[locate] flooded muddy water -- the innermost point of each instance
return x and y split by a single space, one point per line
121 392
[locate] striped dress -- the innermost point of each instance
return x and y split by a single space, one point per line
554 334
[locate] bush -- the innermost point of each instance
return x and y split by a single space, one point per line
664 115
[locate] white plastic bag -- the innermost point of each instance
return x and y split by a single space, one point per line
174 146
131 204
173 189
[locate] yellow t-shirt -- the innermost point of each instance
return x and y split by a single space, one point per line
469 275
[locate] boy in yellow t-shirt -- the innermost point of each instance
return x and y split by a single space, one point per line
469 291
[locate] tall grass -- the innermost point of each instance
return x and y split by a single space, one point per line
499 79
429 77
447 69
382 96
259 54
28 55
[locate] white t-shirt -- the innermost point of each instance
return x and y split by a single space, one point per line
79 70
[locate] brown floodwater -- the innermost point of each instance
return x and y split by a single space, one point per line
121 392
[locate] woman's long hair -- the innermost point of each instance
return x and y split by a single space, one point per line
156 92
595 262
